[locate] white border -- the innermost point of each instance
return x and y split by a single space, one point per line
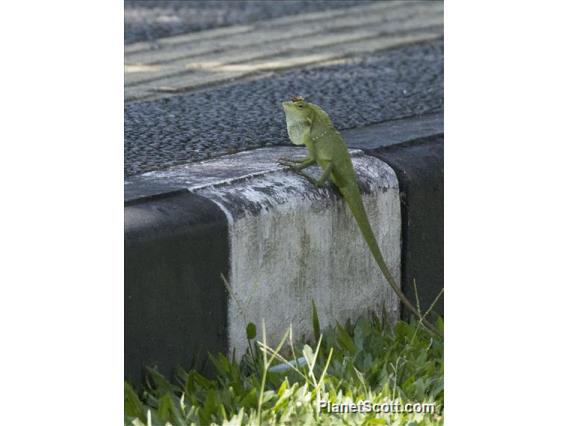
506 212
61 307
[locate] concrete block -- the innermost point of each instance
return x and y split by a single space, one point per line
291 243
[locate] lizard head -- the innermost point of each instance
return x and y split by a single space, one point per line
298 111
299 116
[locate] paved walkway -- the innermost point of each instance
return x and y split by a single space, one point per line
149 20
177 64
205 94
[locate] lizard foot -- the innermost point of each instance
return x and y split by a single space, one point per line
288 161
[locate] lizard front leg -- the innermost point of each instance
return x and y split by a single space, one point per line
297 165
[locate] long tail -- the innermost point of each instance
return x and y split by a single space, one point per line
353 198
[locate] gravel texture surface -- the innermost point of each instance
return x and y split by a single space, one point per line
149 20
198 125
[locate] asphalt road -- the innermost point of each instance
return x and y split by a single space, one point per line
388 85
149 20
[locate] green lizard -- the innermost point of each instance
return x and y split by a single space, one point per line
310 125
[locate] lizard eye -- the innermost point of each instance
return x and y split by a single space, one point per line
300 106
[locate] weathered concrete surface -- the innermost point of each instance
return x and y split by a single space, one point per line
291 243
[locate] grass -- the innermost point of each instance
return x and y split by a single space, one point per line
347 363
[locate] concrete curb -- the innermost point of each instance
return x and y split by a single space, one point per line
280 242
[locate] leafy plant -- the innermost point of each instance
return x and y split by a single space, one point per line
364 361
